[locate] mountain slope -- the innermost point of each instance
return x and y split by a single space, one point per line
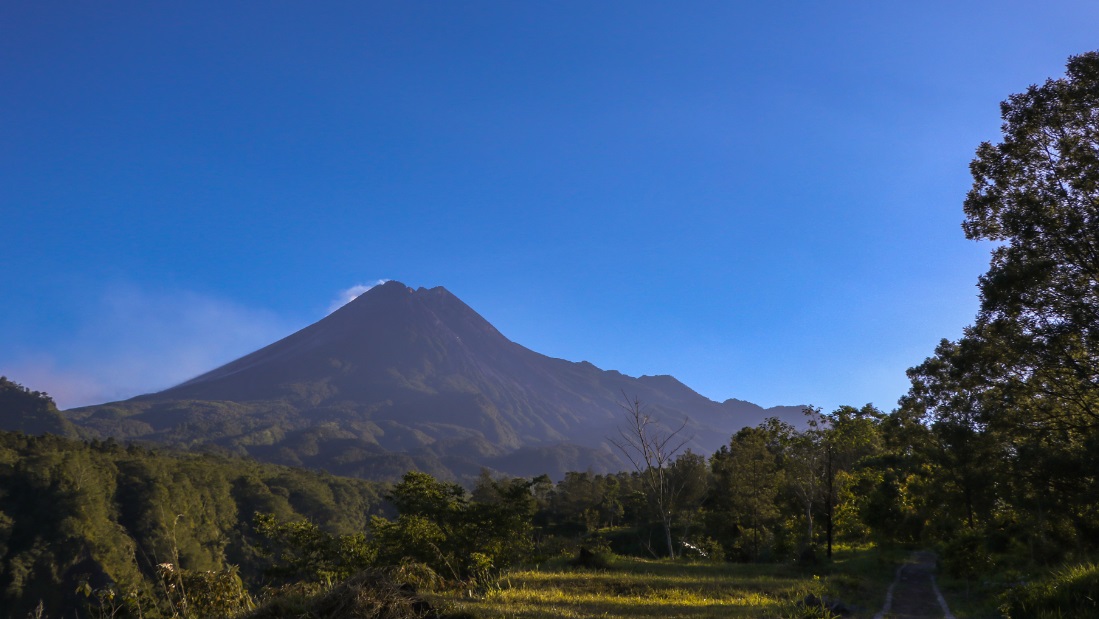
403 377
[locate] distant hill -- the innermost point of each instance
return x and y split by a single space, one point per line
402 378
30 412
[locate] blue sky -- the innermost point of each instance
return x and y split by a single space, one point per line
761 199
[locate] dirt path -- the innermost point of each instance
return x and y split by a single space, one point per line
914 594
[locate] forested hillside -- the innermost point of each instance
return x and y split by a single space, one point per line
107 514
85 518
30 412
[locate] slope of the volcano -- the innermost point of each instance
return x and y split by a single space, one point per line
419 372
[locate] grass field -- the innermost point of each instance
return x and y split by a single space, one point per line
631 587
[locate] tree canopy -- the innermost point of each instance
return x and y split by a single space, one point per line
1014 404
1037 194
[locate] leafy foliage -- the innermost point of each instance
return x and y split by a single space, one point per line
440 527
372 594
743 504
210 593
302 551
106 515
1013 406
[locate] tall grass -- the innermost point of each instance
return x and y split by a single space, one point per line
1072 591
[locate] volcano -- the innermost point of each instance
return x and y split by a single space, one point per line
401 378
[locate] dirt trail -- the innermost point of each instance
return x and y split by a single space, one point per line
914 594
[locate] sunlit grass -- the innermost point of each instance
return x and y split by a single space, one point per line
632 587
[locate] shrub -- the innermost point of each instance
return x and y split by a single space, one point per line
594 553
967 556
370 594
203 594
704 547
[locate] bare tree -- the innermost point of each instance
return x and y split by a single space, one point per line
651 450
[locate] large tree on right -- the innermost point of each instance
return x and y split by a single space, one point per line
1015 402
1037 192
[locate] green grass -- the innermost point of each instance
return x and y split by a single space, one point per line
970 600
1014 592
1071 591
632 587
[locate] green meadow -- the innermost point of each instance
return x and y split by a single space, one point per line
635 587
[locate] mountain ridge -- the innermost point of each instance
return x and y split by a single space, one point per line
414 374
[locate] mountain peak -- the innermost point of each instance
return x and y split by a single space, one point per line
418 372
390 287
396 289
392 290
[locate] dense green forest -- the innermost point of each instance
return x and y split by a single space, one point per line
107 515
991 458
100 523
85 518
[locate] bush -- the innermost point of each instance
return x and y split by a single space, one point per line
752 544
704 547
810 602
417 575
553 547
595 553
204 594
371 594
967 556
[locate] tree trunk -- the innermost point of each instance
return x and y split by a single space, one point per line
831 500
668 537
809 518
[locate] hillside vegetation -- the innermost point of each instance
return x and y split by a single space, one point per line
107 515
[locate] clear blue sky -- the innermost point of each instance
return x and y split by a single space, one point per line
761 199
